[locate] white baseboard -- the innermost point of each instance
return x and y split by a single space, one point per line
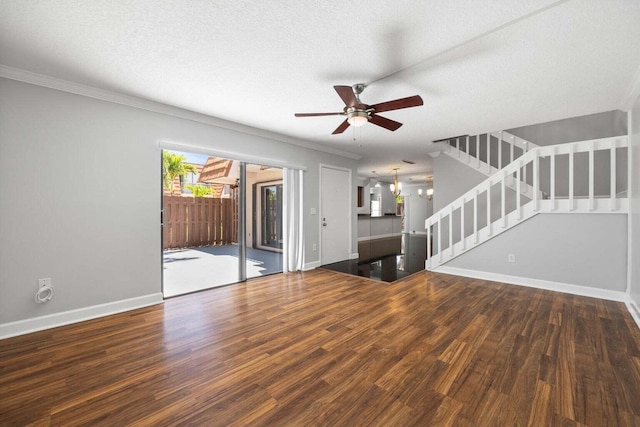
354 256
417 233
310 265
633 309
537 283
21 327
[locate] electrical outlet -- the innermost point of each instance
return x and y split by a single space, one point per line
313 211
44 282
511 258
315 247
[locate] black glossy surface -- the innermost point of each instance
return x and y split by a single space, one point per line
389 268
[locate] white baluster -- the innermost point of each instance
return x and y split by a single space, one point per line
467 149
429 244
500 151
536 183
571 177
478 149
440 237
489 152
524 171
512 143
504 199
613 175
458 146
462 239
591 173
489 208
451 231
475 216
518 192
552 179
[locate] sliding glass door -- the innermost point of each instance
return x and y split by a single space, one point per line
264 229
269 216
210 218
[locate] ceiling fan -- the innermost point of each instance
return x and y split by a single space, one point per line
359 113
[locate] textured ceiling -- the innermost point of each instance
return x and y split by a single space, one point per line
479 66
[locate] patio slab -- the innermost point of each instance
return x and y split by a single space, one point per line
195 269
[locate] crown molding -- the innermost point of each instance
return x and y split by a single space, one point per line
157 107
633 92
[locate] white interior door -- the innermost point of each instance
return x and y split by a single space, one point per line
335 210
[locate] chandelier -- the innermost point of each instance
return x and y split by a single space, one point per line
396 187
429 193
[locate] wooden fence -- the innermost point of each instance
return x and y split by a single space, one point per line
199 221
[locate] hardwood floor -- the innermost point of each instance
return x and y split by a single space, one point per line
324 348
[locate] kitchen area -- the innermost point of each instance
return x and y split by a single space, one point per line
391 237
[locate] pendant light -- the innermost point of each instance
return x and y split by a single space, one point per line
396 187
429 193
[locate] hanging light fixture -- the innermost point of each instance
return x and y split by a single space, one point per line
429 193
357 118
396 187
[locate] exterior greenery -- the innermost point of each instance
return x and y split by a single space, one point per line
199 190
172 167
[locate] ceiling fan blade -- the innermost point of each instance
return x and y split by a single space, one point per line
343 126
384 122
411 101
347 95
318 114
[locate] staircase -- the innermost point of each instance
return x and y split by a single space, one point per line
502 149
532 182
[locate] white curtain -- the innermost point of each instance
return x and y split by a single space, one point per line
292 221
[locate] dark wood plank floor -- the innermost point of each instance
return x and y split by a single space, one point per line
323 348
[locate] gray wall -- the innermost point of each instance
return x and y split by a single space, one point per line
576 249
452 179
80 185
592 126
634 199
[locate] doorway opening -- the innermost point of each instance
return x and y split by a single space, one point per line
202 234
268 216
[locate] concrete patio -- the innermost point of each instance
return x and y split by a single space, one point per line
195 269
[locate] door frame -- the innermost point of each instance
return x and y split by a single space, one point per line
257 218
320 210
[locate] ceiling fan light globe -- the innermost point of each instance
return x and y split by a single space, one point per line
358 118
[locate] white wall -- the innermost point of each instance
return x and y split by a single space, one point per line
388 204
575 249
634 205
417 209
81 195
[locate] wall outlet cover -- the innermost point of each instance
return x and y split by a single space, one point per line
44 282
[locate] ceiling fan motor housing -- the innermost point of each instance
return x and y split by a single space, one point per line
357 117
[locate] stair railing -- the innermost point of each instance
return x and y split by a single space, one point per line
510 207
463 144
